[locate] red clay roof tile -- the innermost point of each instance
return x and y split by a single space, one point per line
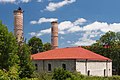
69 53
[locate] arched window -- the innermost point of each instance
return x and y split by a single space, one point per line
49 67
36 66
88 73
64 66
104 72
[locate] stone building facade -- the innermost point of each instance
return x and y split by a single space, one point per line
73 59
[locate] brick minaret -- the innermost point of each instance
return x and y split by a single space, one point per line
54 34
18 24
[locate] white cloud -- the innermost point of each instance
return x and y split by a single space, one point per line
53 6
32 33
64 27
88 33
43 20
7 1
33 22
74 29
46 31
40 33
95 26
80 21
61 37
72 26
102 26
50 0
69 42
96 29
61 32
25 1
84 40
15 1
94 34
39 0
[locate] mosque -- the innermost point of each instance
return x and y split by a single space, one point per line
71 58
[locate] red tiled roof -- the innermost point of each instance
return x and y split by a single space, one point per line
69 53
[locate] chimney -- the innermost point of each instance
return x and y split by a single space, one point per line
54 34
18 24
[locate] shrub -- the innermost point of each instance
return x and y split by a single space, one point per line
61 74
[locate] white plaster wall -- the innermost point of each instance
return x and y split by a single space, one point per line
96 68
109 68
80 67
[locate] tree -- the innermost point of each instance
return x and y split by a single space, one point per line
108 39
47 46
15 60
109 45
8 49
36 45
26 66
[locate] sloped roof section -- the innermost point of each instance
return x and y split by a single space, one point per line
69 53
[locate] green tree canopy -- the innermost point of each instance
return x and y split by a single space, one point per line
15 61
108 39
47 46
36 45
109 45
26 66
8 48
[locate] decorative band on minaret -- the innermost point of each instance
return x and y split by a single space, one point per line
54 34
18 24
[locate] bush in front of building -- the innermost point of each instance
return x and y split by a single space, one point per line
114 78
43 76
61 74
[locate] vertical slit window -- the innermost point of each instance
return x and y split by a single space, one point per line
36 66
104 72
88 72
49 67
64 66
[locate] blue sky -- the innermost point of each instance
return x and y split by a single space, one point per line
81 22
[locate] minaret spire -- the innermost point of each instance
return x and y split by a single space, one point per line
18 24
54 34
